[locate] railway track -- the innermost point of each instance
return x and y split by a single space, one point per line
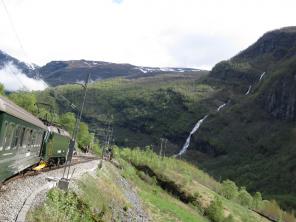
76 160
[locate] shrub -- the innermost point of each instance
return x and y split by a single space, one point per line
288 217
244 198
229 218
64 206
229 190
257 200
272 209
215 210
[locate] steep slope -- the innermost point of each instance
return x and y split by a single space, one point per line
141 110
141 186
253 139
24 67
63 72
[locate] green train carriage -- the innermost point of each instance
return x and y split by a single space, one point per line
55 146
21 137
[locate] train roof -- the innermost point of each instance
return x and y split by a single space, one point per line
59 131
12 109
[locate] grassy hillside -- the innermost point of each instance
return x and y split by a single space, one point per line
177 191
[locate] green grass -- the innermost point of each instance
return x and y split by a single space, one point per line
187 178
161 205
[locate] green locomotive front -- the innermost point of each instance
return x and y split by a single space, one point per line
21 136
55 146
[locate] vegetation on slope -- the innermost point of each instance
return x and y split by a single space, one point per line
255 133
141 110
170 190
218 202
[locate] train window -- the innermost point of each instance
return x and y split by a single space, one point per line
4 133
26 137
29 137
22 138
16 137
34 138
40 138
9 135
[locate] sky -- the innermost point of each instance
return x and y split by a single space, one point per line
165 33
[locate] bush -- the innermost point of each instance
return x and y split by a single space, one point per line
229 190
215 210
257 200
229 218
244 198
64 206
288 217
272 209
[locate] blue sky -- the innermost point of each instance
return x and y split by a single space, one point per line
182 33
117 1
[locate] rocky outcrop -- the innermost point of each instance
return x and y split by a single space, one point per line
280 97
278 44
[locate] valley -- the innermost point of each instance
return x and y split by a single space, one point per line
235 122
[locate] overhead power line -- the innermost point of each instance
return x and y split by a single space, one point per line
13 27
20 44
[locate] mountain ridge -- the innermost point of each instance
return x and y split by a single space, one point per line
64 72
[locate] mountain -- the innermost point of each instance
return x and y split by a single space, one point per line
141 110
28 69
63 72
252 140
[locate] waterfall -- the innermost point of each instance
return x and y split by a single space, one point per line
221 107
195 128
262 75
249 90
250 87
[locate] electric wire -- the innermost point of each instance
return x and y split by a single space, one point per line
37 75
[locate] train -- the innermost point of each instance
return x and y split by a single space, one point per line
26 141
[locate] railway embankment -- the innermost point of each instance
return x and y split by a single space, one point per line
19 195
140 186
102 194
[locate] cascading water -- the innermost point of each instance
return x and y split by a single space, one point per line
198 124
249 90
221 107
195 128
262 75
250 87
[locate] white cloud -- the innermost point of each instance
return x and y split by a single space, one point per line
13 79
142 32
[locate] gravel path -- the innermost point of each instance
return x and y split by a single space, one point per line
19 195
137 213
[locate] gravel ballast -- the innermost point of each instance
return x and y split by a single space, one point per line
19 195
